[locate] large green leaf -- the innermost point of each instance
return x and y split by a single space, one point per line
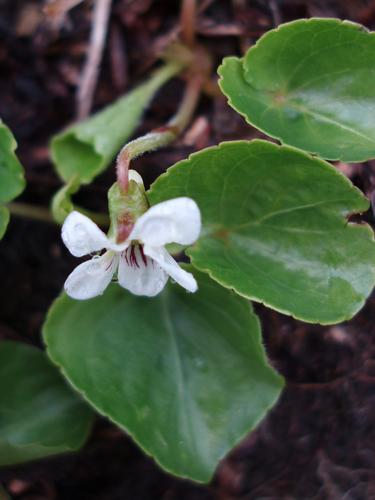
274 228
185 374
87 148
39 414
309 83
12 180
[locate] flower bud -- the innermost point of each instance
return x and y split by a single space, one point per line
125 208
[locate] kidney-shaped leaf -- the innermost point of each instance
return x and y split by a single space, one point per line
12 180
39 414
185 374
274 228
309 83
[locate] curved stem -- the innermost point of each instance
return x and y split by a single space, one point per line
161 136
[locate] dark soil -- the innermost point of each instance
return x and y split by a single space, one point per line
319 441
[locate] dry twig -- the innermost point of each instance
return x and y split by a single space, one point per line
188 16
85 92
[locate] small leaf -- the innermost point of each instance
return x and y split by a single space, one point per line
62 203
12 180
86 149
185 374
39 414
309 83
275 228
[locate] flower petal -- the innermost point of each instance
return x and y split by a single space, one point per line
139 274
170 266
134 176
82 236
177 220
92 277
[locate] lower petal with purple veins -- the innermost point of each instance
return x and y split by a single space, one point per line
139 274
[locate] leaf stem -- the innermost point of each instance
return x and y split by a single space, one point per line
43 214
161 136
170 69
30 211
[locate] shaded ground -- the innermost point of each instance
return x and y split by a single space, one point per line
319 441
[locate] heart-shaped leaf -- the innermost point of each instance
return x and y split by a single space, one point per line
12 180
84 150
274 228
185 374
309 83
39 414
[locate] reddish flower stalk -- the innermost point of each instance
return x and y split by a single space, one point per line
162 135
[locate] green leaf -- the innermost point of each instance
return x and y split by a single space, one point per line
275 228
12 180
309 83
87 148
4 220
185 374
39 414
62 203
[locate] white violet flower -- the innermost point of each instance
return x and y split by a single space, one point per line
142 262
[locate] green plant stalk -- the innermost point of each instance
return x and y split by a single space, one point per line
30 211
161 136
43 214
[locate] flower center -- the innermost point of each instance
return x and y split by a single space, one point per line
135 256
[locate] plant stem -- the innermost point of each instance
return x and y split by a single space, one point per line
161 136
164 73
199 64
30 211
44 215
